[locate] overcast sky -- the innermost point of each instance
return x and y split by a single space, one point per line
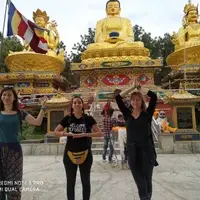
74 17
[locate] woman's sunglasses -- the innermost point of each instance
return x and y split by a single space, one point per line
8 86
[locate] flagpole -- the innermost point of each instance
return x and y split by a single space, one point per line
3 29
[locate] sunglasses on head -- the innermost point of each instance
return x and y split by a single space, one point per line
8 86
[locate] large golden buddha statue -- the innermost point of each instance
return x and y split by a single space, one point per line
114 42
114 31
189 33
51 35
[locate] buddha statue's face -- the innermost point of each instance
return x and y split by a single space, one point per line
113 8
40 21
192 16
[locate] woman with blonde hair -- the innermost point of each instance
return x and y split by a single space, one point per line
140 145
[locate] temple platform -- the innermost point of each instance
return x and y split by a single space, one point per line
176 178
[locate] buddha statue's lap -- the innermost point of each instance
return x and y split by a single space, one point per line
114 31
105 45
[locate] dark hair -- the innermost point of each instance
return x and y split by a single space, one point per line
77 97
113 1
109 112
120 115
15 106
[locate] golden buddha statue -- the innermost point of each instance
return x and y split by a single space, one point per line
51 35
29 61
114 31
189 34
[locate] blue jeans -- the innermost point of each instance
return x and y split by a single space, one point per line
108 140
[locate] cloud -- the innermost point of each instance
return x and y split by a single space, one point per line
75 17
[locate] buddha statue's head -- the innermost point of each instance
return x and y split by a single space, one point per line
40 18
113 8
191 13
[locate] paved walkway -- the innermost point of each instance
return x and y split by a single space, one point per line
176 178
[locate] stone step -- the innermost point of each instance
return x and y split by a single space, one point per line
99 151
97 139
100 145
58 149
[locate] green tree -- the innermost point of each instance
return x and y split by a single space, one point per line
61 45
163 47
9 44
138 32
78 48
141 35
158 46
70 79
70 76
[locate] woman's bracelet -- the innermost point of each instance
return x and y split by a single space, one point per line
43 108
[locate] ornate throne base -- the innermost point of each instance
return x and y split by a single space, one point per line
98 56
187 56
32 73
30 61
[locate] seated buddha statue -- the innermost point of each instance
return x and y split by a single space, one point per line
51 36
114 31
189 33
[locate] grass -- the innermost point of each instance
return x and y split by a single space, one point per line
35 137
32 133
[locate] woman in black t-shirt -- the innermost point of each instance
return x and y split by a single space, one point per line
140 144
80 129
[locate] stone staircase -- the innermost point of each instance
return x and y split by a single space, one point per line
97 146
47 149
98 142
58 149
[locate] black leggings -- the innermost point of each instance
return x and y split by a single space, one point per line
71 170
142 172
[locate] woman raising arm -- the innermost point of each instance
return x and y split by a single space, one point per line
11 154
141 151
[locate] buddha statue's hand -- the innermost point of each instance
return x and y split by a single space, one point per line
113 37
114 40
129 40
175 39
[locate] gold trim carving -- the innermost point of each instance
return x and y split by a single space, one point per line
187 56
30 61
